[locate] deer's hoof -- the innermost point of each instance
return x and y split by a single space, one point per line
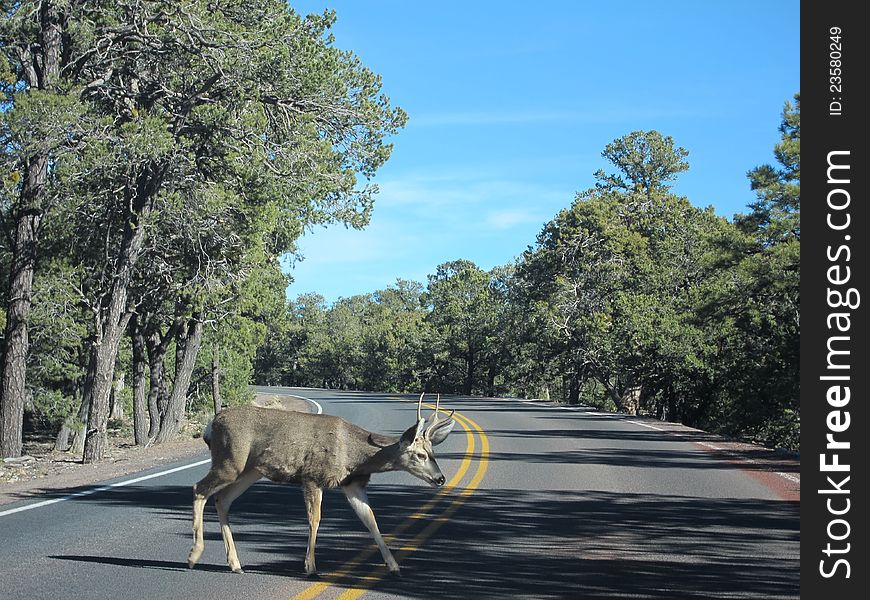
193 556
238 570
397 574
312 575
310 569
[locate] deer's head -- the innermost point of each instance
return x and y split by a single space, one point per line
415 446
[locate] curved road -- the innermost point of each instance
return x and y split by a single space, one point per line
541 502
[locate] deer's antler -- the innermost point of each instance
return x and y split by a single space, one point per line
435 421
436 417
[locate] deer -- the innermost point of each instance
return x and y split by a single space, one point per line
315 451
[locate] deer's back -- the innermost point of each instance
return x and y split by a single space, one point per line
286 446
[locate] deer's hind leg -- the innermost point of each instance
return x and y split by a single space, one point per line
223 500
313 497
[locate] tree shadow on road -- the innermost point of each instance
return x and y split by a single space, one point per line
630 457
508 543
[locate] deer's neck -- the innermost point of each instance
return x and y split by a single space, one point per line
379 460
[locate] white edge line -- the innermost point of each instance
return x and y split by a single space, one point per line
102 488
314 402
126 482
645 425
789 476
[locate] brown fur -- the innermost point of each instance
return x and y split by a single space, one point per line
316 451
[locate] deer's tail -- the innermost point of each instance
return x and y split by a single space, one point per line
206 434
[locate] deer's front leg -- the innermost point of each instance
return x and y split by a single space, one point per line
313 496
358 499
223 500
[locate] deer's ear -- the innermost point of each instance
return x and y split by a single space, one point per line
381 441
412 433
438 433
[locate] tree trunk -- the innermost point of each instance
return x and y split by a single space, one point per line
105 353
170 424
112 320
41 72
116 410
14 383
113 316
216 377
137 338
78 442
468 386
613 392
631 399
490 381
626 400
158 398
573 389
155 374
62 441
180 342
79 422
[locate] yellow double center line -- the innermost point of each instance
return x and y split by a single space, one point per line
436 521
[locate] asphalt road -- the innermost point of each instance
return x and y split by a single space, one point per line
541 502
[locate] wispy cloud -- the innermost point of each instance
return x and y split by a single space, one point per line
421 220
510 218
521 117
339 245
462 192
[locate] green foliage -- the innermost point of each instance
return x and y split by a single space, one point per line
51 407
189 148
58 337
646 161
613 280
463 315
755 302
775 216
194 148
632 299
40 121
373 342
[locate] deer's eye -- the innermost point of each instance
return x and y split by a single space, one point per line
422 456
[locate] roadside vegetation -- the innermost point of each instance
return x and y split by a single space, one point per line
631 299
159 159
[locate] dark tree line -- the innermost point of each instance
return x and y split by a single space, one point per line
157 159
632 298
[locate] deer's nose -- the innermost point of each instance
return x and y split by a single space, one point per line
440 480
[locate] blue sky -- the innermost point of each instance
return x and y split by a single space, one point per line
510 105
